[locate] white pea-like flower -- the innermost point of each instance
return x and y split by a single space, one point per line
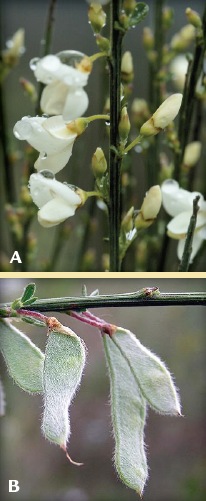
178 203
50 137
64 94
56 201
165 114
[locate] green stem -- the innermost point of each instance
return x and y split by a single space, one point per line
97 55
131 145
185 262
188 102
97 117
115 161
144 297
47 44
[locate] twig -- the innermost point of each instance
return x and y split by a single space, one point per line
115 162
148 296
185 262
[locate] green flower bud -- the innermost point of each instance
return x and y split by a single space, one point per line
99 163
124 125
148 39
97 17
103 43
129 6
193 18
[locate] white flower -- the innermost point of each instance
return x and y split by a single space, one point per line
162 116
64 94
178 203
50 137
56 200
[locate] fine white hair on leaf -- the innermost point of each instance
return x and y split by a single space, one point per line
64 363
151 374
128 408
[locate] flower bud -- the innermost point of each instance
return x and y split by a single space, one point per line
167 18
148 39
140 112
179 67
193 18
103 43
162 116
99 163
150 208
25 196
29 89
127 221
129 6
15 48
124 125
180 41
106 109
97 17
127 69
192 153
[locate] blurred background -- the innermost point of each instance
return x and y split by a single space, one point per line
175 446
83 246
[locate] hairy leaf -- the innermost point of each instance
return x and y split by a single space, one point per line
150 373
139 13
28 292
25 361
64 364
128 417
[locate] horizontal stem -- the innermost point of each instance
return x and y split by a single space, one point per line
131 145
97 117
144 297
97 55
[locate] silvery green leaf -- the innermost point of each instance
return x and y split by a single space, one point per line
24 360
138 13
28 292
150 372
128 417
64 364
30 301
2 400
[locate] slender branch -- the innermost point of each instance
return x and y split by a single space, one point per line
185 262
115 161
144 297
187 108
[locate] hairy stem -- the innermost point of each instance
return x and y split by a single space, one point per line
148 296
115 160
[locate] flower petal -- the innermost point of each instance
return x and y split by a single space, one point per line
76 104
54 212
197 241
48 135
53 98
43 189
176 200
179 224
50 68
54 163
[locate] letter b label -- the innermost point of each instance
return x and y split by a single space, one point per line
13 486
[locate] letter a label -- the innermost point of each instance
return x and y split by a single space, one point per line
13 486
16 257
